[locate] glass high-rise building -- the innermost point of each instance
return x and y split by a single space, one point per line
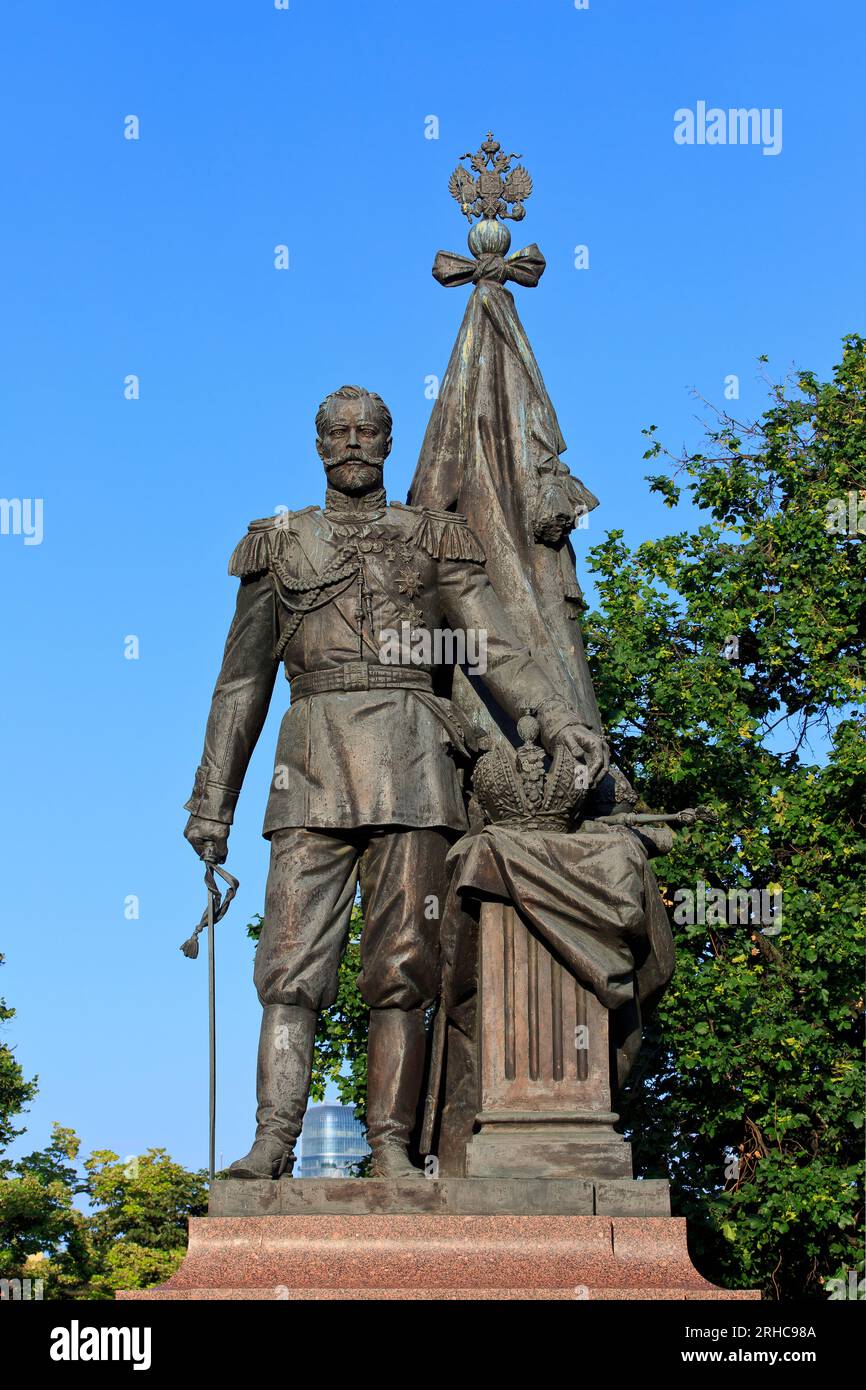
332 1142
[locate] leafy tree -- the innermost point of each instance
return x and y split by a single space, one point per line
38 1218
139 1223
43 1234
15 1092
728 662
135 1232
145 1199
133 1236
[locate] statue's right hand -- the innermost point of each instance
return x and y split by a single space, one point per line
203 834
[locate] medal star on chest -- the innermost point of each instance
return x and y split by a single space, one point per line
409 582
414 617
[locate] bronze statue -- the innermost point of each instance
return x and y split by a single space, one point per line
503 862
369 778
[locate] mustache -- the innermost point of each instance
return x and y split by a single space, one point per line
372 460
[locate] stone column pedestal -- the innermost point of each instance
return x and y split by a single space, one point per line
544 1064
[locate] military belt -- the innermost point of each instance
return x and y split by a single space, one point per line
359 675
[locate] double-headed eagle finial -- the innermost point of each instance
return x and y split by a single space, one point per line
494 185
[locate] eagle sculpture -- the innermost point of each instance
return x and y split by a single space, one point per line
494 186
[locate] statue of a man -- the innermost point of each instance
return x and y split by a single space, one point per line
368 781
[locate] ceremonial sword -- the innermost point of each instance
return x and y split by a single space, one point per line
216 909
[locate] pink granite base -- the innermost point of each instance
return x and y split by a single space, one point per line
414 1257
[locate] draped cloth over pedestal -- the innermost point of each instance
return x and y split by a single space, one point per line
585 894
591 897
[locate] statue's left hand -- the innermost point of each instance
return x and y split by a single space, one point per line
588 746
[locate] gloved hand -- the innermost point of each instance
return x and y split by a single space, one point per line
209 838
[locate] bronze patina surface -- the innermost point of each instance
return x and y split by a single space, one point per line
368 781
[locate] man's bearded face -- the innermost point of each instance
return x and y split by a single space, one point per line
353 446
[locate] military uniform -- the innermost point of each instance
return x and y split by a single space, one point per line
364 745
368 778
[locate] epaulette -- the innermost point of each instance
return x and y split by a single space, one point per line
267 538
448 536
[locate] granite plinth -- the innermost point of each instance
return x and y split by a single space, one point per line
447 1196
436 1256
497 1295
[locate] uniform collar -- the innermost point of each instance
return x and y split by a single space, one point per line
359 507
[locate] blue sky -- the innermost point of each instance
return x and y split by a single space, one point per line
155 257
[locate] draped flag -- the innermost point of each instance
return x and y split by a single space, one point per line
491 452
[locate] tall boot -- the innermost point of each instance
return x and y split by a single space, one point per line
282 1086
396 1052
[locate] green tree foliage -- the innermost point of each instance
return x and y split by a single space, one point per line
132 1236
728 661
15 1092
138 1226
42 1233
